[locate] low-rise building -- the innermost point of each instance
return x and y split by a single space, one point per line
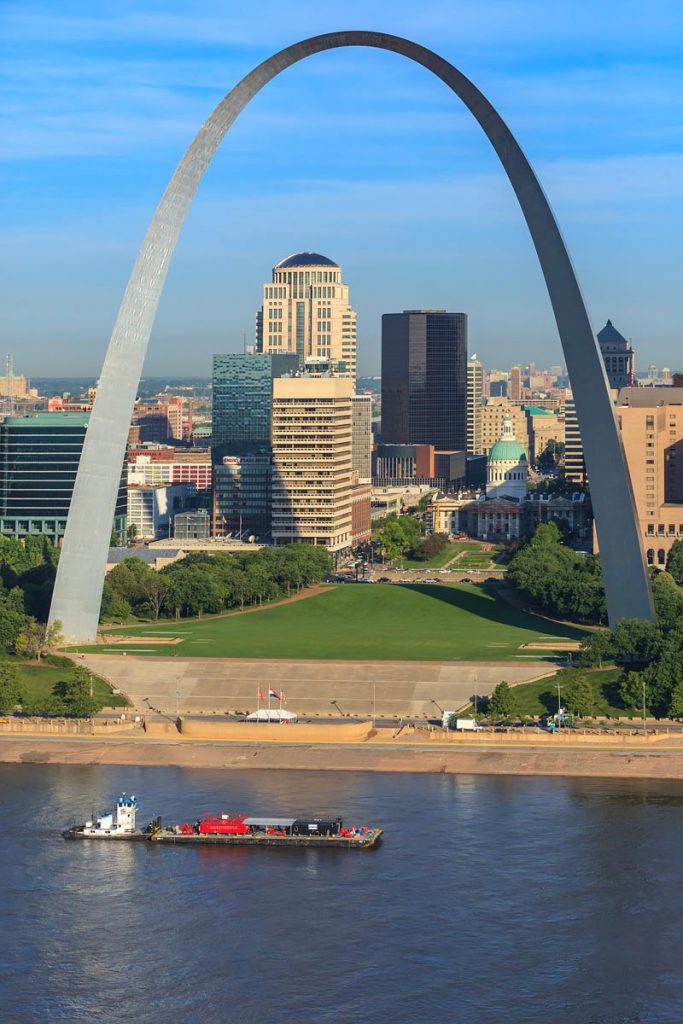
152 507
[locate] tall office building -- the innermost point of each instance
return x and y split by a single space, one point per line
306 311
39 457
514 388
424 378
312 457
243 398
574 464
361 415
475 395
618 356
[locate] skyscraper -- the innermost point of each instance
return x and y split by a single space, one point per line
312 492
475 394
306 311
424 378
515 384
618 356
243 398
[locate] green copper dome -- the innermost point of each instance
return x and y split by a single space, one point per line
507 451
507 448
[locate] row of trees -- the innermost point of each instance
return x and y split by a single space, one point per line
207 584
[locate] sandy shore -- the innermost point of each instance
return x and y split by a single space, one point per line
664 761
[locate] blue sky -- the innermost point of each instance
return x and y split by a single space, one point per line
356 154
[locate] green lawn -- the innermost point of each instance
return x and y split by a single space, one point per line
534 699
363 622
38 681
436 562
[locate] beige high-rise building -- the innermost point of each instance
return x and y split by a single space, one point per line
306 310
493 416
312 459
475 394
651 423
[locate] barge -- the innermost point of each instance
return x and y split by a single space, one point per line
227 830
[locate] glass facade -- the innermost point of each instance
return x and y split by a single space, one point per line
39 457
243 399
241 495
424 378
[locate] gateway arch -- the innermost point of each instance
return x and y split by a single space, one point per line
80 575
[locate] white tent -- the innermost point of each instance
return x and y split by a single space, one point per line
275 715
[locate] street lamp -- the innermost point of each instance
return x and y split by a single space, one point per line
559 707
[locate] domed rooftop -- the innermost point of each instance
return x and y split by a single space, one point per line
305 259
508 448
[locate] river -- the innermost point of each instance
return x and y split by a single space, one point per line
491 899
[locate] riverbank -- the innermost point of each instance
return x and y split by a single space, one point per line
658 758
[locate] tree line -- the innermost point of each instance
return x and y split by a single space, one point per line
203 583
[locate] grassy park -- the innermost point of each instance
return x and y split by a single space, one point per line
436 562
356 622
37 682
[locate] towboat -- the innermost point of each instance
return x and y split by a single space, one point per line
228 830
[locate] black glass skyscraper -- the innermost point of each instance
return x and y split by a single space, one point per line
424 378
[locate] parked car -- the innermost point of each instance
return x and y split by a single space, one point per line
466 579
384 579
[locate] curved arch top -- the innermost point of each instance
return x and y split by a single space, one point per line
80 575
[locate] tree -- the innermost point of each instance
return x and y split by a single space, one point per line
503 702
550 457
668 600
596 648
132 533
578 697
10 694
631 690
39 638
12 617
676 704
636 640
392 538
674 560
430 547
155 586
76 695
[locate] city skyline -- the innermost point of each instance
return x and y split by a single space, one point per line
593 109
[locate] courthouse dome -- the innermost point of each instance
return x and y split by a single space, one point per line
305 259
508 448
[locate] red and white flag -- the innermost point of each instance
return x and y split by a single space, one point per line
260 694
283 697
